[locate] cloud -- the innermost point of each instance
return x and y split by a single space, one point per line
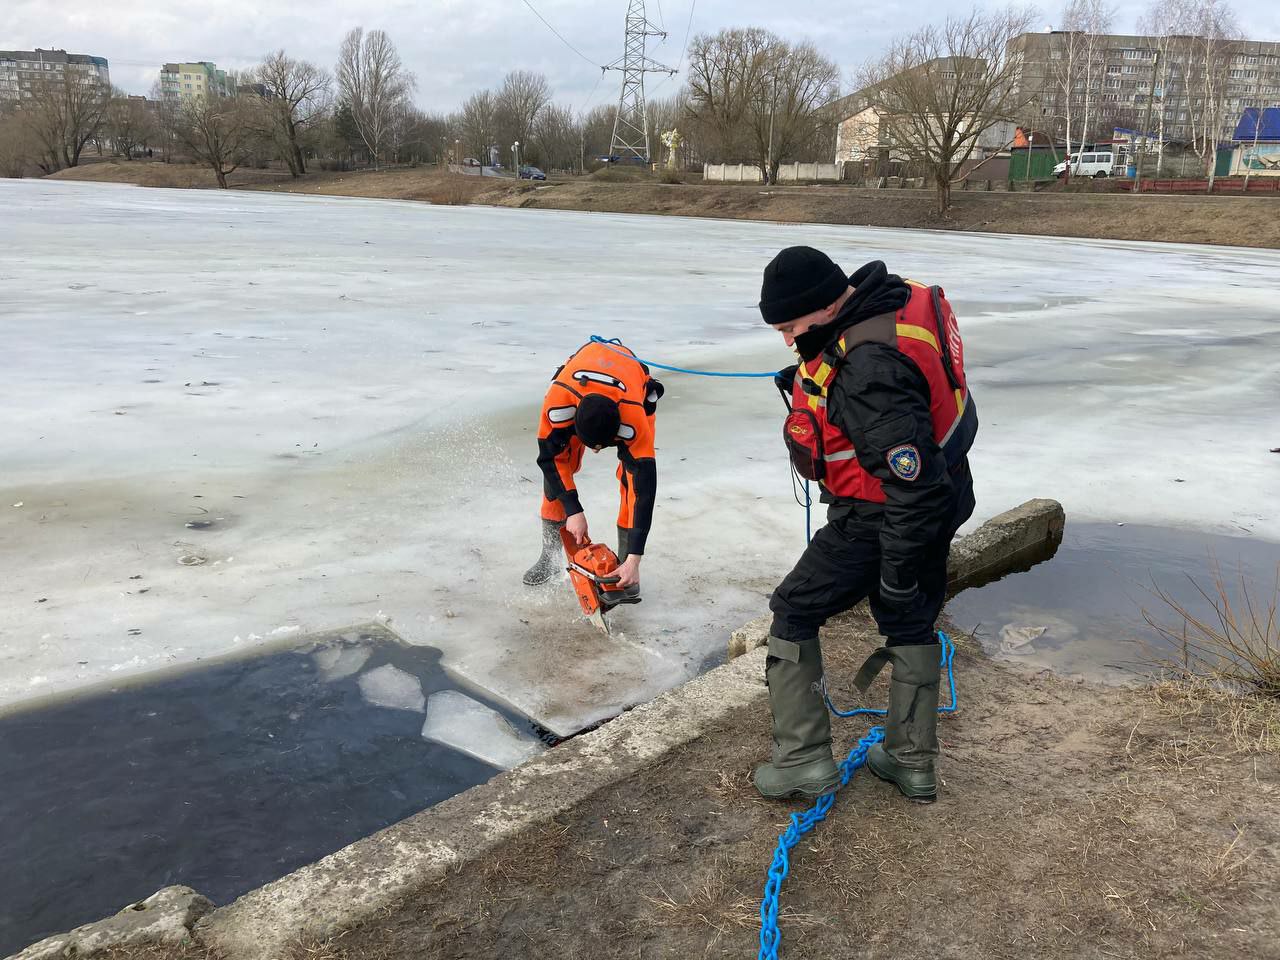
456 47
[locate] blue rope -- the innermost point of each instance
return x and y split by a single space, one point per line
802 823
610 344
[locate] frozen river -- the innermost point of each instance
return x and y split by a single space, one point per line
346 391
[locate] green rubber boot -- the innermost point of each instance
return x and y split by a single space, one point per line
910 746
550 562
802 764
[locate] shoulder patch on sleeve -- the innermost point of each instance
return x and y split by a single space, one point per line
560 415
904 461
626 432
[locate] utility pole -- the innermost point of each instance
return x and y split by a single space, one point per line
1146 126
1257 127
631 126
773 105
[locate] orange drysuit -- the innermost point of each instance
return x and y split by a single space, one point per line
613 371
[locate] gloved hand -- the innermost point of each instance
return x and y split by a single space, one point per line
785 380
899 599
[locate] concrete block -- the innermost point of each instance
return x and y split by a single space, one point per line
166 917
1013 541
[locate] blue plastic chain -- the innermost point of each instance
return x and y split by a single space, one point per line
802 823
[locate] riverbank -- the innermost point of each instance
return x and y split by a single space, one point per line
1231 221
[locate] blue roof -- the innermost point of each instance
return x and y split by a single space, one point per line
1248 128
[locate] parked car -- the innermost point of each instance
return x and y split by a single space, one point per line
1086 165
471 162
531 173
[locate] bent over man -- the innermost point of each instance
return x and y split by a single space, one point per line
602 396
882 419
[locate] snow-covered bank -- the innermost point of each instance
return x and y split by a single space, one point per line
347 389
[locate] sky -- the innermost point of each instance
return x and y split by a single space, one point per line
456 47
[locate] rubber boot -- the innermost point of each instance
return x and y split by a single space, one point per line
802 764
549 564
910 746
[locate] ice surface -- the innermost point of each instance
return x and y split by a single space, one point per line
337 662
389 686
352 386
455 720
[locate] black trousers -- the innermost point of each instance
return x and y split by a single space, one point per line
841 567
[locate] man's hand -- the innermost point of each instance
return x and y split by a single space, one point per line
629 572
577 527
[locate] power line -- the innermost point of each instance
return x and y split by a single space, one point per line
684 48
591 96
687 27
661 20
558 34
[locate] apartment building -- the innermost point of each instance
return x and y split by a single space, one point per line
20 69
1152 82
195 81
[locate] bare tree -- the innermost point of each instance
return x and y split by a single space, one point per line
296 96
557 136
1214 25
220 133
130 123
479 127
66 110
938 90
374 84
597 132
18 149
517 104
727 74
1077 65
789 112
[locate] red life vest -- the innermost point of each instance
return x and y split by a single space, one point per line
925 330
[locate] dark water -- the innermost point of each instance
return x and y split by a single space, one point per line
1091 596
222 778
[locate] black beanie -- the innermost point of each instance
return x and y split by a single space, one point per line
597 420
797 281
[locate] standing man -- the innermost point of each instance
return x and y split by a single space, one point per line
602 396
882 419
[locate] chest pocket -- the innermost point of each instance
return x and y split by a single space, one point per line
803 436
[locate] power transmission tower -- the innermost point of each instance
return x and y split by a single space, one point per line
631 126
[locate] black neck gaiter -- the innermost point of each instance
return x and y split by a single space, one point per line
876 291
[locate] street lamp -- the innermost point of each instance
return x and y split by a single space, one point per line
515 156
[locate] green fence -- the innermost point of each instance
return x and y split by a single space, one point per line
1222 163
1033 163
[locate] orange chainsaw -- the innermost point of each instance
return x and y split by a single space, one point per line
593 573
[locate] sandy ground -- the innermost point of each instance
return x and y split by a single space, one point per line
1235 221
347 389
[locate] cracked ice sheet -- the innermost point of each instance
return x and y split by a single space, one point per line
456 720
349 389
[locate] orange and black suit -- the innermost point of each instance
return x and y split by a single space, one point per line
613 371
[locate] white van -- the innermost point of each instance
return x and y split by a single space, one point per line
1086 165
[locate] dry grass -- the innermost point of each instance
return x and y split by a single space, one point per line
1238 644
714 903
1213 720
